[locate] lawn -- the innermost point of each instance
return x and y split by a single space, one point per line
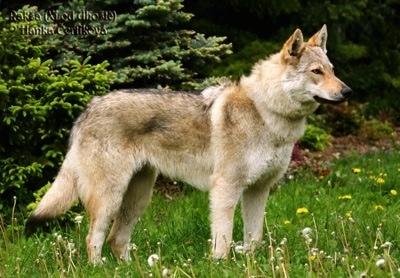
342 223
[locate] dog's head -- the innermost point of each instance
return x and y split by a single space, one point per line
309 75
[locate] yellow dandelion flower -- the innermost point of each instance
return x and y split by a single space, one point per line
348 214
380 180
356 170
393 192
378 207
312 257
345 197
302 211
286 222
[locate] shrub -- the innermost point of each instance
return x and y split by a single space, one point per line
38 105
343 119
375 129
315 138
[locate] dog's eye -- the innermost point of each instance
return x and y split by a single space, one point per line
317 71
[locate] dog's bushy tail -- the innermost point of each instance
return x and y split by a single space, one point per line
60 197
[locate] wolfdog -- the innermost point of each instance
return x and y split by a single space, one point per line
234 140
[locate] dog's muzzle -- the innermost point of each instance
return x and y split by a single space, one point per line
345 94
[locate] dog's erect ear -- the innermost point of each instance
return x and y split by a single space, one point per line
293 46
319 39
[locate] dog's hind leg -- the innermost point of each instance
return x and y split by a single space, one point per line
103 200
254 200
135 201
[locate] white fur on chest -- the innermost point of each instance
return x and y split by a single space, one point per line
268 159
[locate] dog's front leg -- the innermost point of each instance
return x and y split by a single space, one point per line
253 207
223 199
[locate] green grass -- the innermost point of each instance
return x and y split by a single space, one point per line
352 223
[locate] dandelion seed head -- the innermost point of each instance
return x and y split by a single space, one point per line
78 219
152 259
306 231
239 249
71 245
386 245
166 272
380 263
59 238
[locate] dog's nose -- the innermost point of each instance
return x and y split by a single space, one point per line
346 92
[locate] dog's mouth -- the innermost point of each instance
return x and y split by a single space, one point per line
328 101
345 93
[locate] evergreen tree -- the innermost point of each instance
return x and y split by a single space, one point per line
144 42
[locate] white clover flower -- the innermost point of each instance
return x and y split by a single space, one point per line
153 259
380 262
78 219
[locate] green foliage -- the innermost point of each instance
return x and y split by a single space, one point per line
242 61
145 44
315 138
38 105
375 129
343 119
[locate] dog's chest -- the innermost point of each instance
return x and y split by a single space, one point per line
268 161
269 152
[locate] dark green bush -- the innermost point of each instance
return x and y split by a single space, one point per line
38 105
